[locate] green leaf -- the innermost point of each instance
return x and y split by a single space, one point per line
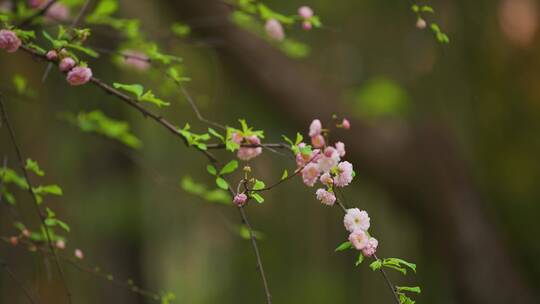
257 197
135 89
415 289
258 185
180 30
398 264
285 174
105 8
376 265
229 167
213 196
216 134
299 138
151 98
211 169
20 83
83 49
359 260
48 189
34 167
343 246
220 182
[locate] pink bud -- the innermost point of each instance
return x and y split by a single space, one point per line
346 124
57 12
79 254
52 55
306 25
317 141
60 244
240 199
305 12
26 232
14 240
421 23
274 29
79 76
9 41
67 64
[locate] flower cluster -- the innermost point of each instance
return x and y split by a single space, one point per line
274 28
306 13
9 41
323 164
76 74
247 153
357 223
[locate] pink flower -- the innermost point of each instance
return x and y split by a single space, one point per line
57 12
236 137
346 124
66 64
14 240
306 25
315 128
240 199
52 55
60 244
318 141
247 153
35 3
326 197
9 41
310 173
356 220
371 247
79 76
359 239
79 254
136 60
26 233
303 158
326 179
274 29
340 147
345 174
328 160
305 12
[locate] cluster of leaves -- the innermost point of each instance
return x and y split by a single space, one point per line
229 168
215 195
419 11
138 91
97 122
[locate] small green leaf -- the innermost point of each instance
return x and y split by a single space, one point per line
415 289
258 185
376 265
229 167
360 259
151 98
285 174
211 169
220 182
135 89
257 197
34 167
343 246
216 134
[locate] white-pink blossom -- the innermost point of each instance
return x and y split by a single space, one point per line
328 160
371 247
356 220
326 179
66 64
340 148
359 239
310 174
421 24
237 137
305 12
247 153
79 254
60 244
240 199
79 76
274 29
344 175
317 141
57 12
326 197
136 60
315 128
9 41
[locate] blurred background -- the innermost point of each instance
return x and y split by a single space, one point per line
444 141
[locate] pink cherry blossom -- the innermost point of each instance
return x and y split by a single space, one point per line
310 174
359 239
356 220
9 41
328 160
340 148
305 12
346 124
326 197
60 244
326 179
79 254
66 64
79 76
274 29
240 199
247 153
57 12
315 128
318 141
306 25
345 174
136 60
52 55
237 137
371 247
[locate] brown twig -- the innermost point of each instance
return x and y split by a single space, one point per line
31 191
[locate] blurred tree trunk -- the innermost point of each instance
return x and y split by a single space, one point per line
419 166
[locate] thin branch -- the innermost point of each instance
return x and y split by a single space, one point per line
388 282
17 282
31 191
42 11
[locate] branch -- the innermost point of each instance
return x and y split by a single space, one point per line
31 191
19 284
